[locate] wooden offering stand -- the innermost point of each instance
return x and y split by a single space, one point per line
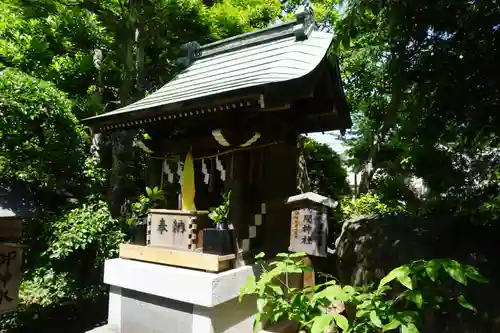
175 238
172 257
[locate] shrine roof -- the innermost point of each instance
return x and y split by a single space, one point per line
239 65
16 201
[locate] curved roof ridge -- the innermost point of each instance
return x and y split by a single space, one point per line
249 62
301 28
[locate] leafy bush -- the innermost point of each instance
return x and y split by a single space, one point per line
327 173
220 215
368 204
46 287
89 227
389 306
40 139
144 203
70 266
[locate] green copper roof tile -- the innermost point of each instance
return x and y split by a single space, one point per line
277 54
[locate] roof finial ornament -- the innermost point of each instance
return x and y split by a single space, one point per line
305 21
192 50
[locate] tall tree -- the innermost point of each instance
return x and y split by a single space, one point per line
107 54
437 120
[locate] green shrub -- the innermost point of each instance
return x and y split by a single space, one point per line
70 267
90 227
396 303
368 204
40 139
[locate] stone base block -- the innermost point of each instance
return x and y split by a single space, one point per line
104 329
152 298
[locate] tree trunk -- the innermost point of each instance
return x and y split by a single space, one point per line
395 66
370 167
123 141
140 59
95 148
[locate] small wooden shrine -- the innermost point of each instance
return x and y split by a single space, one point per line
16 204
230 121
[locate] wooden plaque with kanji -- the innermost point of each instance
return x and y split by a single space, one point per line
10 275
308 231
175 229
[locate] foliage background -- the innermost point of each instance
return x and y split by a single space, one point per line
418 78
64 61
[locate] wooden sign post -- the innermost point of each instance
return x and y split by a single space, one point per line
309 225
309 228
16 204
10 276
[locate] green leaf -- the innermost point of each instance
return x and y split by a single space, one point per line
361 313
455 270
277 316
298 255
149 192
320 323
374 318
276 289
349 289
405 280
249 287
392 325
257 322
408 316
306 269
473 273
261 303
409 328
432 269
383 289
260 255
332 293
364 305
415 297
394 274
342 322
463 302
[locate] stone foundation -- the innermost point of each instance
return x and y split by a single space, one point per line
151 298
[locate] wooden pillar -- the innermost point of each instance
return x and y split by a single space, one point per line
309 278
154 170
276 186
240 206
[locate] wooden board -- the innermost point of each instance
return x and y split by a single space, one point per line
176 229
10 275
309 279
188 259
11 227
308 231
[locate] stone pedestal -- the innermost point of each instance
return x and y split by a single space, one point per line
151 298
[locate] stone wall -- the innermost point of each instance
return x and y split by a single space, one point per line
370 246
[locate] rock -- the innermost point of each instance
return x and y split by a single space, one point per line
104 329
368 247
